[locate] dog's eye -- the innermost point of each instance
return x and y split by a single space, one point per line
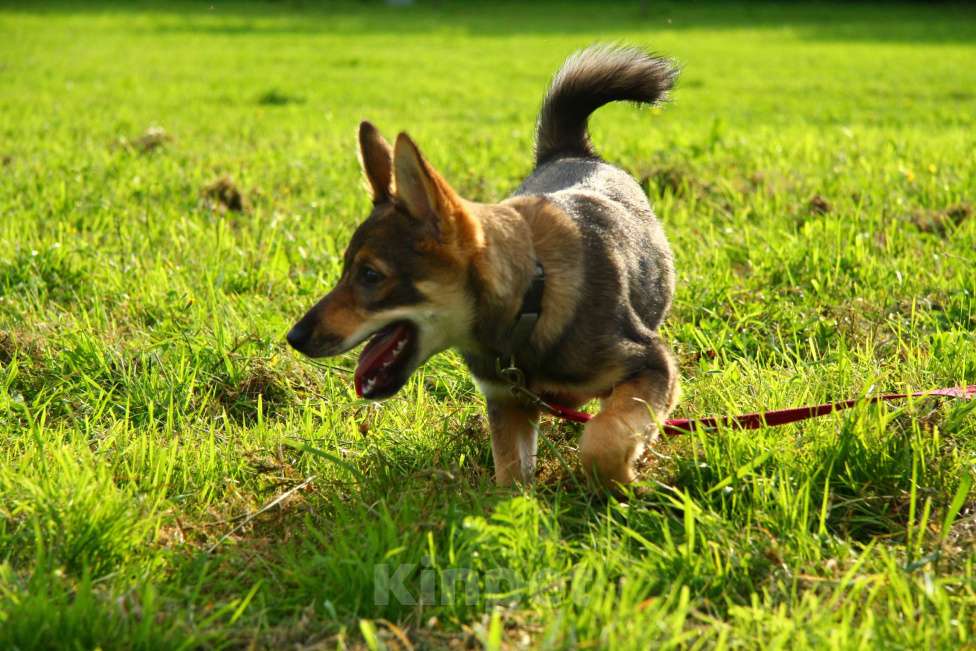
369 276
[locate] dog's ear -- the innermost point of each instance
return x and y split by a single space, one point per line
376 158
427 196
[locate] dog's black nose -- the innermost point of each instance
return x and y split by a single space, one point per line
298 335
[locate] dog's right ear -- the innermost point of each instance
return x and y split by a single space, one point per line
376 158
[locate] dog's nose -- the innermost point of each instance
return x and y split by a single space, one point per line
298 336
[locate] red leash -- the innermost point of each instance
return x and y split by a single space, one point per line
677 426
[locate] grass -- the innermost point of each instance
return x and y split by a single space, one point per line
172 476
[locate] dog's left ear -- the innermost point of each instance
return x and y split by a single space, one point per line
376 159
427 196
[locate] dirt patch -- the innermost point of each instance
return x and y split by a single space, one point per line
940 222
259 384
8 348
818 205
683 179
223 195
19 344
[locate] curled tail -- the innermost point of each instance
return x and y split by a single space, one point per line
589 79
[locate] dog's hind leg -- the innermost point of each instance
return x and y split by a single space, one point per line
614 438
514 437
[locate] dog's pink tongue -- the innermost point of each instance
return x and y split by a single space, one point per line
378 350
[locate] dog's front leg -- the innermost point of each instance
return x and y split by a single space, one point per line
514 437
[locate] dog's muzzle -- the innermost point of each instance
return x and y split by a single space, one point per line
304 338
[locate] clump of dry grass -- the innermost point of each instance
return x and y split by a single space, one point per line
818 205
153 138
223 195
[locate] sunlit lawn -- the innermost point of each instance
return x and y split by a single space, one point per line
172 475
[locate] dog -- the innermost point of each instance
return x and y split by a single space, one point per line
564 284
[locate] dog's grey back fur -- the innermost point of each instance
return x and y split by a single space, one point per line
628 265
620 233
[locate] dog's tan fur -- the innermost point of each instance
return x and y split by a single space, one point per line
556 241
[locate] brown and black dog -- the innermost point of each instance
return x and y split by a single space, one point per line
429 270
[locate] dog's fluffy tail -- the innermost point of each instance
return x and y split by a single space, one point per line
589 79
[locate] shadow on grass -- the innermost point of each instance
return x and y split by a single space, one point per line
878 22
423 535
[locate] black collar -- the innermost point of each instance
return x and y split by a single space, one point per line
528 314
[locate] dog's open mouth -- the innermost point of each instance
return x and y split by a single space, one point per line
384 364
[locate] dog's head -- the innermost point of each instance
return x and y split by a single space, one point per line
404 284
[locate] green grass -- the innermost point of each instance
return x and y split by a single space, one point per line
172 476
